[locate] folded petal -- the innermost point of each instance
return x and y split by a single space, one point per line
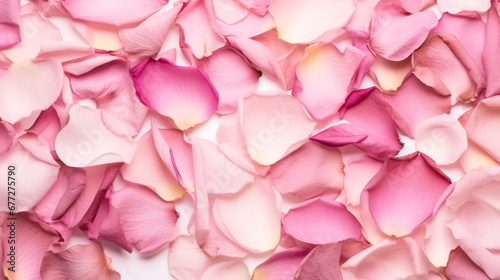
231 75
390 21
456 7
339 135
281 265
114 12
321 221
321 263
301 21
312 170
461 267
37 85
251 218
9 23
148 221
491 47
183 94
325 77
443 64
148 169
358 172
85 140
78 262
398 198
273 126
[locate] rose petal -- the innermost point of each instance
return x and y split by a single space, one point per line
358 172
228 11
321 221
321 263
183 94
456 7
340 135
461 267
7 135
390 74
301 21
186 260
99 36
491 46
9 23
78 260
281 265
227 270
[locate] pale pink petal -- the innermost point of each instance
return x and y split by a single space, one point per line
37 85
456 7
442 138
31 173
280 126
481 126
63 50
389 259
301 21
321 263
7 135
78 262
9 23
281 265
414 102
260 6
252 25
228 11
113 12
491 47
475 157
321 221
444 64
390 21
413 6
251 217
390 74
359 20
147 221
146 39
99 36
312 170
227 270
461 267
33 238
183 94
398 196
216 171
231 75
196 35
85 141
358 172
147 168
325 77
186 260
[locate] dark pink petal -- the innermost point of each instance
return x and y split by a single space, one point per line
391 21
183 94
444 64
400 199
78 262
46 127
491 47
312 170
340 135
461 267
321 221
456 7
148 221
9 23
325 77
281 265
321 263
231 75
113 12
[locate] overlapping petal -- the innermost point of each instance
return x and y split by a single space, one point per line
9 23
281 265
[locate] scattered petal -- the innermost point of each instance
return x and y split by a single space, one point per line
281 265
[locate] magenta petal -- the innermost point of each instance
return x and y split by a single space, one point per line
321 263
400 199
9 23
281 265
183 94
321 221
461 267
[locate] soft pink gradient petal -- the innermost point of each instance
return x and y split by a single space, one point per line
273 126
358 172
303 21
325 78
461 267
37 84
251 217
444 64
228 11
99 36
186 260
232 76
252 25
114 12
78 262
321 263
183 94
148 221
456 7
9 23
280 265
475 157
390 74
321 221
86 141
491 47
405 192
227 270
395 33
311 170
147 168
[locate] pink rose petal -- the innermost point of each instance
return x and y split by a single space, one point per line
9 23
461 267
321 263
281 265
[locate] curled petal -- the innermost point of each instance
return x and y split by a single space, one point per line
456 7
461 267
78 262
301 21
183 94
321 263
398 198
321 221
9 23
114 12
273 126
37 85
309 171
281 265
